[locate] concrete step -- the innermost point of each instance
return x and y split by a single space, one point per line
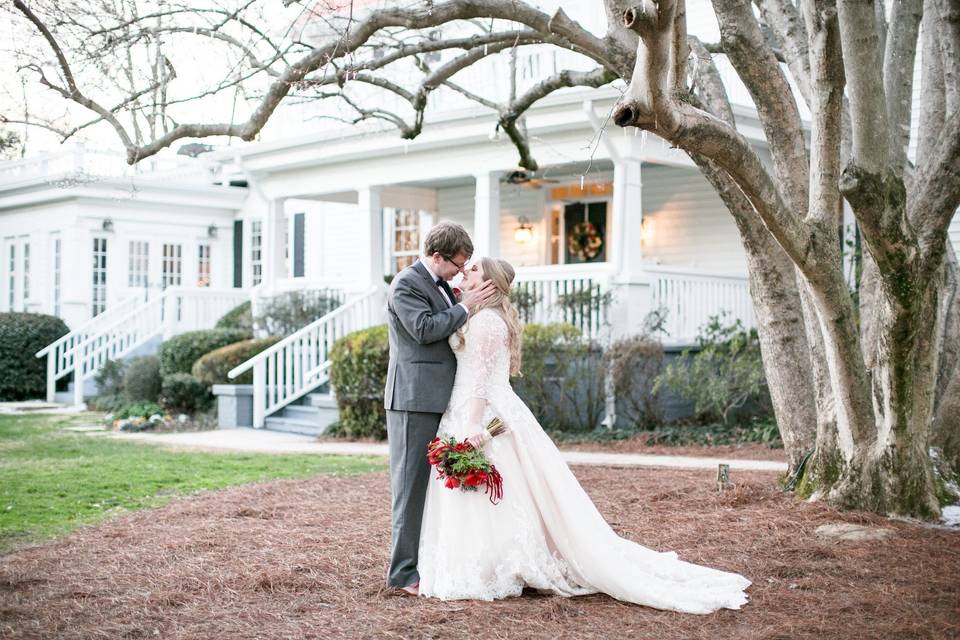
301 412
293 425
321 400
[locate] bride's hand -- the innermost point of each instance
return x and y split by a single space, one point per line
477 440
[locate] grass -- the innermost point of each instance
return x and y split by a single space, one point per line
53 480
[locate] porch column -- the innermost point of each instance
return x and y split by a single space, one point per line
274 245
370 245
633 300
486 215
627 218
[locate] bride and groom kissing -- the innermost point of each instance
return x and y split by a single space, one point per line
449 374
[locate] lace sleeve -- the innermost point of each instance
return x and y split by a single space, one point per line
486 338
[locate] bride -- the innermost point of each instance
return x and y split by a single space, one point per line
546 533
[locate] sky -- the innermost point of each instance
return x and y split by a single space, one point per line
201 64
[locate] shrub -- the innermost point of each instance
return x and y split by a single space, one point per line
724 375
212 368
178 354
109 381
240 317
182 393
138 410
634 364
358 374
287 312
141 382
562 378
22 375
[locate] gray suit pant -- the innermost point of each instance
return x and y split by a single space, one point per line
408 433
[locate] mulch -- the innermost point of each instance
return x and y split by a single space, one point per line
744 451
306 559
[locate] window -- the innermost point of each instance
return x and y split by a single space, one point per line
256 251
12 291
98 303
56 276
172 265
139 263
26 274
406 238
203 265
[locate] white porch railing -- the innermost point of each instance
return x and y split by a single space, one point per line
173 312
688 298
567 293
300 362
60 352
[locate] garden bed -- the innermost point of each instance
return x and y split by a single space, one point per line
306 558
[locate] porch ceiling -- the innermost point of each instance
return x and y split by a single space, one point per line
569 170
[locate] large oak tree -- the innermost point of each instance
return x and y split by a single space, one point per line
864 376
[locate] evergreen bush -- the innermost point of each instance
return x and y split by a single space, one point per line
212 368
240 317
22 375
724 375
182 393
358 375
142 381
178 354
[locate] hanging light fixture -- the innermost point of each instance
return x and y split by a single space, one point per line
524 231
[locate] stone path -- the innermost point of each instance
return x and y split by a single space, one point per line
263 441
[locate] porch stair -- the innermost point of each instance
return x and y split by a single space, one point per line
288 376
310 415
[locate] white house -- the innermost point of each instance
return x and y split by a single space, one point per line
127 257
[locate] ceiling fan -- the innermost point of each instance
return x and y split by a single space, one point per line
525 178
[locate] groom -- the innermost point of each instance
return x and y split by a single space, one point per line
422 313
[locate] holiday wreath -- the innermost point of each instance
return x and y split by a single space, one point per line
584 241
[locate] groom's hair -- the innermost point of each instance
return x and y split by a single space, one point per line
448 239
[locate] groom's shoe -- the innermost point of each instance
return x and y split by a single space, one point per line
412 589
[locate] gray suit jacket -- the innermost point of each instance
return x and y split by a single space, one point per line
422 365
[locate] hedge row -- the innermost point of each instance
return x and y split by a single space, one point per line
212 368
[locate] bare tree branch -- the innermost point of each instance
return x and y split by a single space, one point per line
898 76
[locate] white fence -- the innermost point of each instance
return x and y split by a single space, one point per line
687 298
175 311
577 294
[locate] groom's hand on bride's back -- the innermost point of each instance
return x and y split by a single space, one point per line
479 295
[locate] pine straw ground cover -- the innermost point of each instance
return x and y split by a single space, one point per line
306 559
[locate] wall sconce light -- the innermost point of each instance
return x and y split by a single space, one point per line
107 224
646 229
524 232
212 231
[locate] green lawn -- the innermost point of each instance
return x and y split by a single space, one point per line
53 480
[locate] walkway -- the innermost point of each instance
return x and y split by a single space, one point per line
263 441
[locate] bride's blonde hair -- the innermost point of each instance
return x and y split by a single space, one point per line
502 274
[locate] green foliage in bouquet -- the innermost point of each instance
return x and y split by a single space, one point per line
358 374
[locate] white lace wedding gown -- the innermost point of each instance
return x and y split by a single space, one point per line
546 533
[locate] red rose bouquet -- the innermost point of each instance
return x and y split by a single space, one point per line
462 466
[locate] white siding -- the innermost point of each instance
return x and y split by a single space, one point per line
457 205
689 225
